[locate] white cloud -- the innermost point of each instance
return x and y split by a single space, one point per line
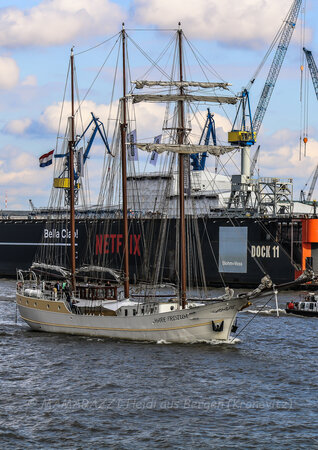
51 115
21 171
9 72
241 23
18 126
149 119
55 22
30 80
18 172
28 176
280 157
149 116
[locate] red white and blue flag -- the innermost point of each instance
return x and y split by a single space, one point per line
46 159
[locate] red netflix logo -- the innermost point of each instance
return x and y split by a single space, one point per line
114 243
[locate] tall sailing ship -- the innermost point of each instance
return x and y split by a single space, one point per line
95 299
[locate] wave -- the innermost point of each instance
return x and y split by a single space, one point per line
231 341
266 312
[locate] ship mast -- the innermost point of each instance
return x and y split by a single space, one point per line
123 130
181 179
71 175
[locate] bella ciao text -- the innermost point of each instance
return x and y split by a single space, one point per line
57 234
114 243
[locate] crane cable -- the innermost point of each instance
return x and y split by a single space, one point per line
304 86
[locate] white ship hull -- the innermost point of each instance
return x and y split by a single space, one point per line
201 323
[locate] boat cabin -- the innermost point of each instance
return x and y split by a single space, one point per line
142 309
306 306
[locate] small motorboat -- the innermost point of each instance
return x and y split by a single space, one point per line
306 306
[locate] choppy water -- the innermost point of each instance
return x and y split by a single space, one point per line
72 392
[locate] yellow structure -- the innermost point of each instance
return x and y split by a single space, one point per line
63 183
238 137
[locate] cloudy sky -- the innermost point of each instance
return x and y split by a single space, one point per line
35 41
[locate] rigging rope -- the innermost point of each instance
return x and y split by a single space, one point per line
98 73
253 317
97 45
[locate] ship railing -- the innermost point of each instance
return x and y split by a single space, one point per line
273 180
27 282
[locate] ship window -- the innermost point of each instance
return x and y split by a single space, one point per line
303 306
142 311
134 312
172 308
151 310
126 312
311 306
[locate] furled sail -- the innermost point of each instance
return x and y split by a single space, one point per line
50 267
216 150
140 84
87 269
187 98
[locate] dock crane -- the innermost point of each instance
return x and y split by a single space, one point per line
245 129
63 180
313 184
303 197
31 204
198 160
245 133
312 69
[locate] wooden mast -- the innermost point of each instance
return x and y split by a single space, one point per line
71 175
123 129
181 180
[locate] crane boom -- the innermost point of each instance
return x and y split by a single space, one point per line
198 161
62 181
276 65
314 76
313 184
313 69
254 161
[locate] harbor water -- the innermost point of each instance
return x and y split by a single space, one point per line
257 391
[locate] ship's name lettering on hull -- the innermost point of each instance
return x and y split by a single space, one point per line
57 234
166 319
265 251
114 243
